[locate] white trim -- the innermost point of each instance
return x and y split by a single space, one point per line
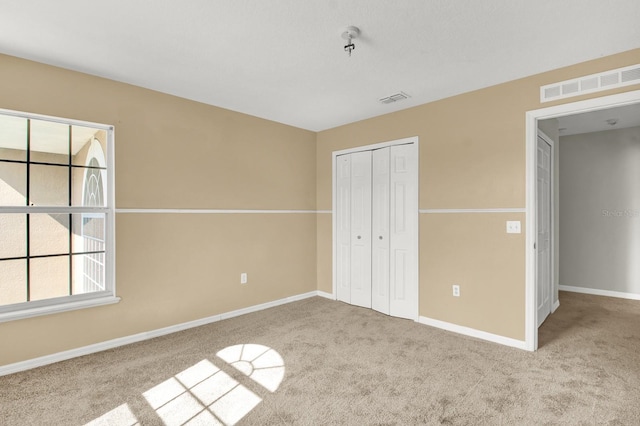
472 332
53 119
267 305
598 292
496 210
334 225
110 220
54 209
414 140
213 211
531 123
380 145
121 341
326 295
555 306
324 211
54 309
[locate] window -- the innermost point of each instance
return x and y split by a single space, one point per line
56 215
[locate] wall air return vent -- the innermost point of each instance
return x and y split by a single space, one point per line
393 98
590 83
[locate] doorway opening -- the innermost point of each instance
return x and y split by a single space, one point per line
533 121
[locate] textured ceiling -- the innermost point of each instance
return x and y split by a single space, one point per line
596 121
283 60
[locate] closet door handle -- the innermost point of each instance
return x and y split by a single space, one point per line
359 237
380 237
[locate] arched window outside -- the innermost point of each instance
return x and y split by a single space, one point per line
93 186
93 237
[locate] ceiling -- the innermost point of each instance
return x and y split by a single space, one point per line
600 120
284 60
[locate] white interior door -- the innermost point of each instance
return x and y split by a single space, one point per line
543 243
403 237
380 232
343 228
361 229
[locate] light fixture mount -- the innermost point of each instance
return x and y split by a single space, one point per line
350 34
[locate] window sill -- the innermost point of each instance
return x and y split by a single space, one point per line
54 309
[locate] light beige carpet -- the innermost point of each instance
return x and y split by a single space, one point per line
348 366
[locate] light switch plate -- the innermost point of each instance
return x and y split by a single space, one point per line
513 227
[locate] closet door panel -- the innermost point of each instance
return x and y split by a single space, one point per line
361 229
403 232
343 224
380 232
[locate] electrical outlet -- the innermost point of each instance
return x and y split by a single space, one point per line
456 290
513 227
243 278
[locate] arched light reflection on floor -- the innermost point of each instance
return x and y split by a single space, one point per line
203 394
261 363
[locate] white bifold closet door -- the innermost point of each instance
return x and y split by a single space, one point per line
377 230
354 228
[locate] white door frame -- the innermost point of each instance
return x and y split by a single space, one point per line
414 140
532 117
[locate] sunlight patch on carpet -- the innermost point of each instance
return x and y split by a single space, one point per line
203 394
121 415
260 363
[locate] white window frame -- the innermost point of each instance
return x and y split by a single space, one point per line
79 301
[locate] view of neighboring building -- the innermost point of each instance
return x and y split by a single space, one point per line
53 174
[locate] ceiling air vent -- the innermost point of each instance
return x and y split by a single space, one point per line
590 83
393 98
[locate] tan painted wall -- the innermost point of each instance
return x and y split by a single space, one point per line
472 156
177 154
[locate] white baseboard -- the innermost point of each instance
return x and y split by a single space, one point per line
472 332
121 341
555 306
597 292
326 295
